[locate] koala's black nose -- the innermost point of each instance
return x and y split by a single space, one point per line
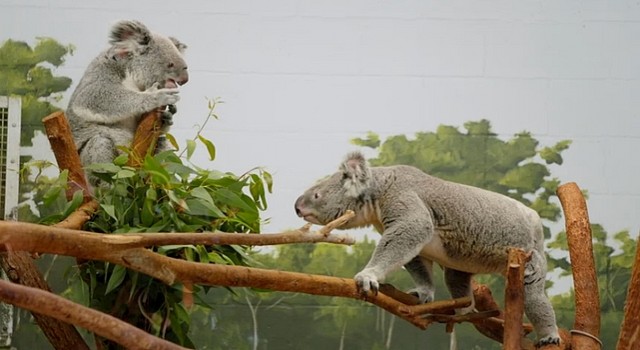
296 206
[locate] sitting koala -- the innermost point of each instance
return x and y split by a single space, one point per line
140 72
423 219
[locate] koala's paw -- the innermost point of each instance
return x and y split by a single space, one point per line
367 281
163 97
551 339
167 116
423 293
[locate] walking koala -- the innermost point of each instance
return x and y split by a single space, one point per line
424 219
140 72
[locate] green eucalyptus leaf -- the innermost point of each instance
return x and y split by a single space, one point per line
115 280
121 160
191 147
211 148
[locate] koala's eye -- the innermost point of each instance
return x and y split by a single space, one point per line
170 65
316 195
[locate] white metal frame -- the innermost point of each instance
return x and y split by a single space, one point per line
12 176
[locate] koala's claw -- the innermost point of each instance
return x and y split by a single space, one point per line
424 294
367 282
167 115
552 339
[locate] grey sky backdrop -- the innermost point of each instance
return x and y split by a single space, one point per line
301 78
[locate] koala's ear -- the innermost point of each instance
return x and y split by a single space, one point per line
129 38
179 45
356 174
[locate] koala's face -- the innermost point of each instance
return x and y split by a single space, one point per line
334 195
160 62
323 202
165 54
149 58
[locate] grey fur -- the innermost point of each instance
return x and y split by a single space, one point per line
139 72
423 219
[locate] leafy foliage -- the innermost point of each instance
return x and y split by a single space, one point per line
24 72
166 194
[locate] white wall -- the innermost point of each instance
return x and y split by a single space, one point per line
300 78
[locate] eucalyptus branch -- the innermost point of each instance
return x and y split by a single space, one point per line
49 304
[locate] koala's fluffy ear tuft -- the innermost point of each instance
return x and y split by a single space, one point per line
179 45
355 174
129 38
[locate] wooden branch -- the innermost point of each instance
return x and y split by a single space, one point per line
514 299
43 239
337 222
66 153
437 307
20 268
587 320
77 219
630 329
21 236
470 317
42 302
146 136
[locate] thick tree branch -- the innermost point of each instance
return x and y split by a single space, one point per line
42 302
66 153
146 136
514 299
587 321
629 338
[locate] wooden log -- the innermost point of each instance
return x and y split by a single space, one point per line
587 321
40 301
66 153
20 268
146 137
629 338
514 300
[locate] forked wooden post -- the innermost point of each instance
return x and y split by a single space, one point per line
587 321
66 153
146 137
629 338
514 299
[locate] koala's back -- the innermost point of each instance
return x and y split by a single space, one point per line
474 227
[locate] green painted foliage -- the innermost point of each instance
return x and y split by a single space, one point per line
28 72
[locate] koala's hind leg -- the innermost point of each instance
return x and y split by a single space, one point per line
459 285
98 149
537 306
420 270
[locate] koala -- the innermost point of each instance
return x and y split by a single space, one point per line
139 72
424 219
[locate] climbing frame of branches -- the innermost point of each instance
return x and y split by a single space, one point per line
130 250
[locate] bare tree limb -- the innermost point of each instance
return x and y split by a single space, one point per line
66 153
587 320
514 299
49 304
630 329
146 136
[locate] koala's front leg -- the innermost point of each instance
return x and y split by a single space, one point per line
406 232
